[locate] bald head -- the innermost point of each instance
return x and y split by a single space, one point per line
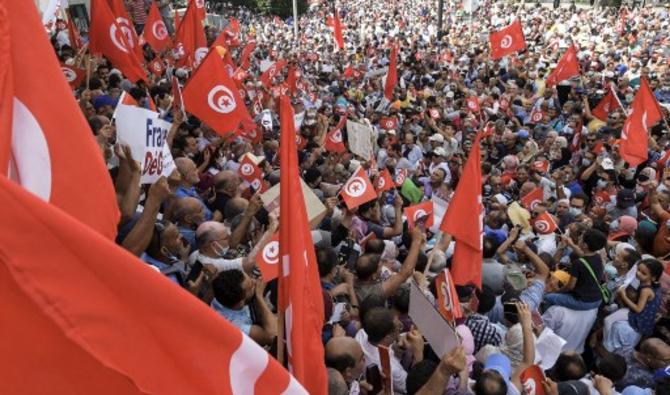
228 182
189 212
234 207
345 355
188 171
211 236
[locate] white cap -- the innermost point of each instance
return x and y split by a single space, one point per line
437 138
439 151
607 164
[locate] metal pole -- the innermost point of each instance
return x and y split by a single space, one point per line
295 20
440 8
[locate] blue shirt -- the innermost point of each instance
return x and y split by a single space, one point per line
161 266
240 318
182 192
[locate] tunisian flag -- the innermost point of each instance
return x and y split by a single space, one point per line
122 19
155 32
334 142
567 67
44 137
463 220
272 72
635 133
124 329
190 44
300 298
337 30
507 41
358 190
212 96
246 54
392 75
606 105
110 38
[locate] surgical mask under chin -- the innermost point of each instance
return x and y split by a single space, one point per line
601 183
575 211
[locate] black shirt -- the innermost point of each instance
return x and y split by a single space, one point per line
586 289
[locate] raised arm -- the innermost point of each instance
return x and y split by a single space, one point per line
140 236
391 285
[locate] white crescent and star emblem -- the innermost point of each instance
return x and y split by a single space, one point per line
221 100
355 187
506 42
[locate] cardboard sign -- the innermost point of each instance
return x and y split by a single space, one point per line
360 139
145 133
437 331
315 209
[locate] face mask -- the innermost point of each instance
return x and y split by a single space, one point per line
586 162
601 183
614 226
220 251
575 211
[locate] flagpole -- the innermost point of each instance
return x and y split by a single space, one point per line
295 20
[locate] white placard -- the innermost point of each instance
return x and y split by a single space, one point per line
360 139
437 331
146 135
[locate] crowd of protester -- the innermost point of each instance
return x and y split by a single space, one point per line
599 282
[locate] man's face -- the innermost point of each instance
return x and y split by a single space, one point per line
190 173
359 367
409 140
173 243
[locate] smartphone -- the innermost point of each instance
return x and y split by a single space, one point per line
510 313
195 272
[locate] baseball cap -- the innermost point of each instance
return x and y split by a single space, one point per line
501 364
573 387
104 100
522 134
625 198
437 138
562 276
607 164
515 277
439 151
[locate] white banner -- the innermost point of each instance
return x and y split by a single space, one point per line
360 139
145 133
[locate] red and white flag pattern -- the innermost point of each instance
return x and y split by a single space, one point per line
507 41
544 224
268 259
420 212
358 190
447 299
532 198
44 137
155 32
300 298
384 181
635 133
567 67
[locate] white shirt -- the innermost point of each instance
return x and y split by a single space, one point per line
371 353
571 325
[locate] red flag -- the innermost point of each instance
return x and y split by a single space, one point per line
473 104
463 221
400 177
221 47
544 224
337 31
73 75
608 104
248 170
212 96
150 324
389 123
44 137
532 198
128 100
73 32
155 32
536 115
358 190
602 197
249 130
531 380
541 166
635 133
507 41
246 54
300 298
110 38
566 68
447 299
156 66
272 72
190 44
392 75
334 142
292 79
200 11
177 20
384 181
127 28
177 100
268 258
418 212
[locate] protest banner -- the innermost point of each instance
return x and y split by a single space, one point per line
146 135
360 139
315 209
437 331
